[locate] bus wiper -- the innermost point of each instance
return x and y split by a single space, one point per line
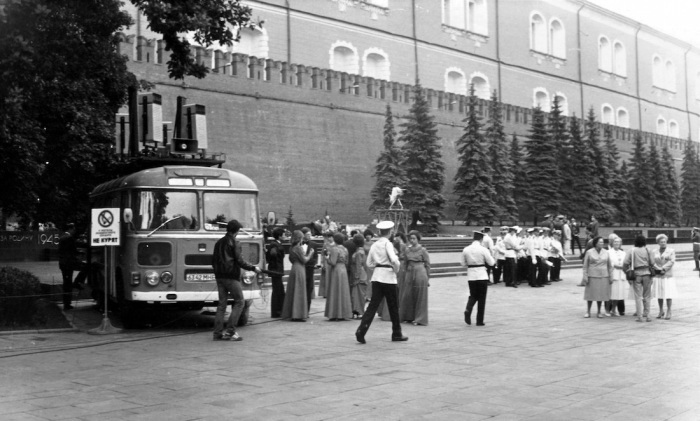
163 224
240 230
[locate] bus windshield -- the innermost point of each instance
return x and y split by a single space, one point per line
221 207
152 208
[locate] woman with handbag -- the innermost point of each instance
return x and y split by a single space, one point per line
597 267
664 286
620 288
639 260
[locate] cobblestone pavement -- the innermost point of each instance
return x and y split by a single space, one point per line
537 358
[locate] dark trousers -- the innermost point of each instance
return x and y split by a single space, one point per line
67 274
277 301
576 240
555 271
380 291
531 272
498 270
542 270
310 283
477 294
228 288
523 269
509 271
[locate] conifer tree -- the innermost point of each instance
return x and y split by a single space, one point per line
559 135
422 162
388 171
473 181
624 199
586 197
600 174
673 196
658 183
642 206
615 192
502 174
690 199
519 176
542 171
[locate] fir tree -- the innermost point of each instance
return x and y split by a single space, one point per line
473 182
542 171
615 192
585 192
659 184
559 135
388 171
422 162
642 205
624 199
673 195
690 199
502 174
519 177
600 174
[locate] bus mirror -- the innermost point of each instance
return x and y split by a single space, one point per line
128 215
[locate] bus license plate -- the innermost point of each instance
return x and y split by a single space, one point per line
200 277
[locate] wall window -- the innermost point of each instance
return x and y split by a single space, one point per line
670 76
343 58
604 54
455 81
376 64
623 118
541 99
482 89
253 42
673 129
557 39
661 126
607 116
470 15
619 59
538 33
657 72
563 103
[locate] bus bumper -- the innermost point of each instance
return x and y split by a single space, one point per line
185 296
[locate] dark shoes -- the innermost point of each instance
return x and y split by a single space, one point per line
481 324
228 337
67 307
360 337
399 338
468 317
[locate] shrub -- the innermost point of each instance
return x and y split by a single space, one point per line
19 291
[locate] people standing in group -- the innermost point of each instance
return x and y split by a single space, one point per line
575 236
476 258
274 253
499 253
383 259
523 257
227 262
413 306
597 267
309 267
639 259
555 254
338 303
512 245
534 243
295 301
695 238
664 285
358 282
619 289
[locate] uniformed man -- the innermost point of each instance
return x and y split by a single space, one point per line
476 258
543 254
488 243
533 245
499 253
511 244
556 255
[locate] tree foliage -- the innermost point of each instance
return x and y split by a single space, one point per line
670 196
586 195
641 188
542 168
473 182
690 186
517 161
388 172
425 171
500 160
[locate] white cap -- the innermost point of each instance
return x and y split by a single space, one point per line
385 225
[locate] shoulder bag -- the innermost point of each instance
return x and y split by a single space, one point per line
629 273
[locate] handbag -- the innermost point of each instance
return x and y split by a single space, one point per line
654 270
629 273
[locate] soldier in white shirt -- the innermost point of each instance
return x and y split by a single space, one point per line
499 253
511 243
543 253
383 259
476 258
555 256
488 243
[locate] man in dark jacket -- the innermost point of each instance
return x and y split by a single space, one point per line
68 262
227 263
275 262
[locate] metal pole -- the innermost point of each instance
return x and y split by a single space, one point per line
106 327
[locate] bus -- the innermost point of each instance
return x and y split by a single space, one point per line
171 218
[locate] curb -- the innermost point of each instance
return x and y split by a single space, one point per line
37 331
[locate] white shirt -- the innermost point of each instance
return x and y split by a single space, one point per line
487 242
555 248
511 243
476 254
500 249
382 253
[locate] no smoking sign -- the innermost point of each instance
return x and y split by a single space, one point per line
105 227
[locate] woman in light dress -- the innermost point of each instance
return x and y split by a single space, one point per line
295 304
414 303
597 267
338 305
664 286
620 287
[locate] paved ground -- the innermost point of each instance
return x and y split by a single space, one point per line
537 358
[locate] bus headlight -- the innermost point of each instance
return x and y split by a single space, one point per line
152 278
248 277
166 277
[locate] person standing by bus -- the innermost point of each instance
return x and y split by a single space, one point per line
227 263
275 262
67 263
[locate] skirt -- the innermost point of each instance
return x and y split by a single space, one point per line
664 288
619 290
597 289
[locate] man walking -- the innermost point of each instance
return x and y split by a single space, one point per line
68 262
382 258
477 258
227 263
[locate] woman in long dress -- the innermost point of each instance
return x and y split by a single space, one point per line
338 305
664 286
596 275
414 304
295 304
325 267
358 285
620 288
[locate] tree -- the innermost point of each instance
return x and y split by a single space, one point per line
600 175
473 182
542 170
624 201
690 186
388 171
586 196
559 136
519 176
658 180
422 161
672 196
642 206
209 21
615 190
498 157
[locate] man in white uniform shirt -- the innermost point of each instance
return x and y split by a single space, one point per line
511 243
382 258
476 258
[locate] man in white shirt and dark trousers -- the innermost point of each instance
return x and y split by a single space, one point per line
476 258
382 258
